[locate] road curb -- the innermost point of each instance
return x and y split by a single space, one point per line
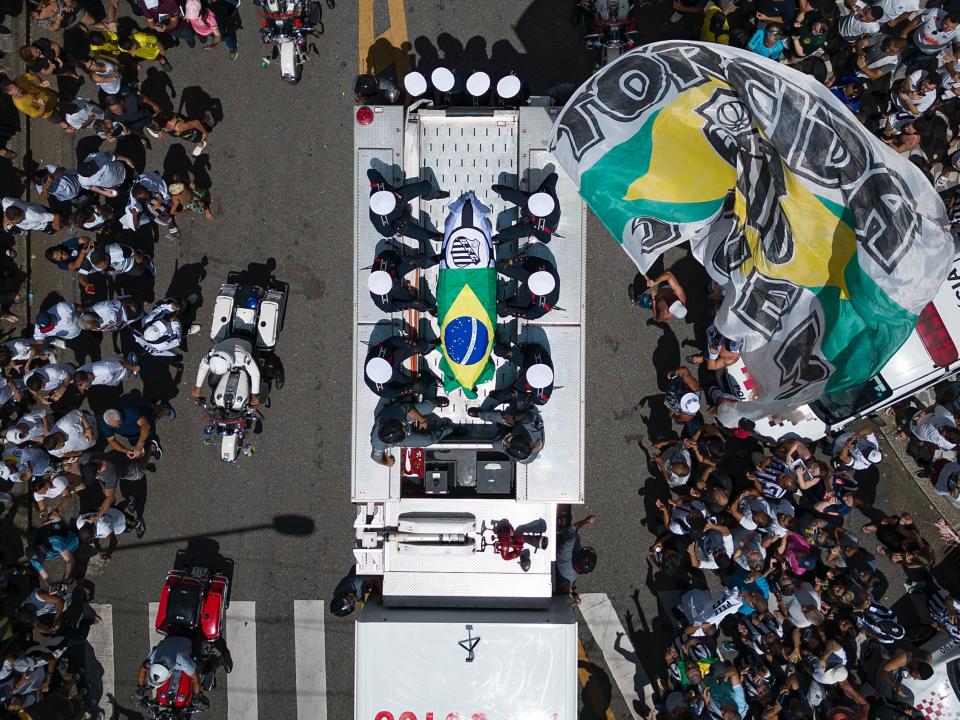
947 510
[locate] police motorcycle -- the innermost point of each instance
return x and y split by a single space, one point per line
611 27
193 604
286 24
249 317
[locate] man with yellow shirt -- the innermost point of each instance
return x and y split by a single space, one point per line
30 96
141 45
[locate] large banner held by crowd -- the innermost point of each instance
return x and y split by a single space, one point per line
826 243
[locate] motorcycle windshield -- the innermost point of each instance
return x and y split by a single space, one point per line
612 10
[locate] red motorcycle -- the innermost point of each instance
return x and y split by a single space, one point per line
193 605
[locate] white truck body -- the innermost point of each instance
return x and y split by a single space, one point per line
442 581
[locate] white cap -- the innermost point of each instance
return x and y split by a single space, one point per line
508 87
539 376
678 310
154 331
24 665
383 202
6 473
380 282
477 84
13 435
835 675
415 84
541 204
541 283
690 403
442 79
379 370
874 456
220 362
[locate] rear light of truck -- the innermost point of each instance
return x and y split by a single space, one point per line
936 338
364 115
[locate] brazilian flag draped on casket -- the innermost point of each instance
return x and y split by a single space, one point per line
467 296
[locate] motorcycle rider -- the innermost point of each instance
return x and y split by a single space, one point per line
390 206
224 357
539 211
171 653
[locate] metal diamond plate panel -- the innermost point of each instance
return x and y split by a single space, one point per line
557 474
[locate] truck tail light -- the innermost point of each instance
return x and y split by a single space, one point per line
936 338
364 115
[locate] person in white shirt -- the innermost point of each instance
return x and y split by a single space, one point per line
934 30
150 200
915 94
103 172
79 113
23 217
107 527
49 382
896 11
71 435
31 427
109 371
857 450
938 427
116 259
862 21
160 332
109 315
60 321
46 488
16 353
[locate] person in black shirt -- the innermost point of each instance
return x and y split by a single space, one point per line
538 287
388 287
539 211
128 114
387 376
390 209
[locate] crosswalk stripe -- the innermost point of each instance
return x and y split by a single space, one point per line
155 637
241 637
601 618
310 651
100 638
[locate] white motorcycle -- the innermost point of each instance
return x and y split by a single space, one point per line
249 317
285 24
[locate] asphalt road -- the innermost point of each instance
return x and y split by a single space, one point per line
280 167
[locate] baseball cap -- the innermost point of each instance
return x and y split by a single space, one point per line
690 403
873 455
442 79
46 322
508 87
835 675
678 309
13 435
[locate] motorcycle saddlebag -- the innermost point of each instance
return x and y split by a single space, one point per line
179 603
213 606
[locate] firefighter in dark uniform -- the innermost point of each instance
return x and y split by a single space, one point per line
389 288
538 290
520 434
539 211
390 209
387 376
534 383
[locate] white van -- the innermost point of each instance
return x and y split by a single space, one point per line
928 356
939 697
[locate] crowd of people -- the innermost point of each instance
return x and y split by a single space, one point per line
891 62
79 438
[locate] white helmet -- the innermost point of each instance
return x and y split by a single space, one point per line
508 87
541 204
541 283
383 202
539 376
442 79
379 370
678 310
380 282
155 331
220 362
158 674
415 84
478 84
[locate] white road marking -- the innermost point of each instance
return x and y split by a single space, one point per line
310 651
100 638
155 637
601 618
241 637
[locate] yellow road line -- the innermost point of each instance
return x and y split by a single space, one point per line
597 703
391 47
